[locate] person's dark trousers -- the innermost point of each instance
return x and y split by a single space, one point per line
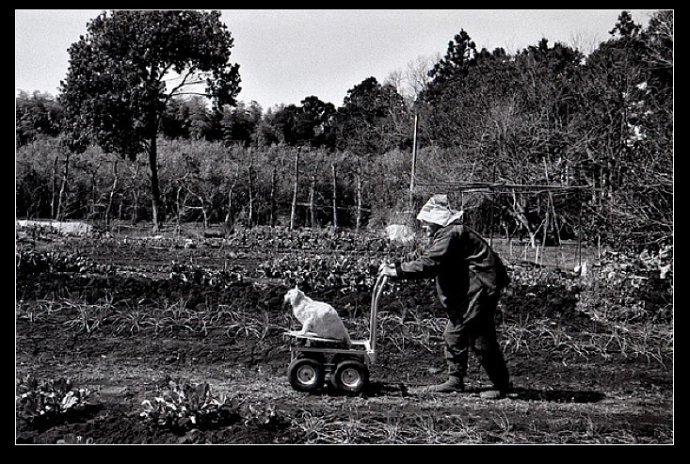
479 334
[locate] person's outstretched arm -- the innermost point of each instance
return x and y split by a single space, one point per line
429 262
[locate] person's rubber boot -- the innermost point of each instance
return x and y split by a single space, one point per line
494 393
452 385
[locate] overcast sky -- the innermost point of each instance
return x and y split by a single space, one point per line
287 55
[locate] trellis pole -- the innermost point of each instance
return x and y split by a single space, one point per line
414 163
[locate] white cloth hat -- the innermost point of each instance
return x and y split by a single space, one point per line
438 211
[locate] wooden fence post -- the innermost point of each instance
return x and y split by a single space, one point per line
358 220
294 192
54 187
60 213
251 188
109 207
414 165
335 197
229 216
312 215
273 198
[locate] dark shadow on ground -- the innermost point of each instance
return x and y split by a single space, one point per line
386 389
373 389
556 396
41 423
526 394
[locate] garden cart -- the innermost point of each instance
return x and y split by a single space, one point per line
316 360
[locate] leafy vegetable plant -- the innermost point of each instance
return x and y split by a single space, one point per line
47 403
182 406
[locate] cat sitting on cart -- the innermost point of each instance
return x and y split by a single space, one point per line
322 352
320 321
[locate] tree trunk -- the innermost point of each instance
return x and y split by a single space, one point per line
335 196
157 213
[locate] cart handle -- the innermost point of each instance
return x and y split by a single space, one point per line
375 295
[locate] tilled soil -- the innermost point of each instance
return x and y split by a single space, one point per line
557 398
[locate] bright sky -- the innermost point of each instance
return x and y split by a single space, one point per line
288 55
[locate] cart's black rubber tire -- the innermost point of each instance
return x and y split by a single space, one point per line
350 376
306 374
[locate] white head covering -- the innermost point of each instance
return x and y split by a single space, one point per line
437 211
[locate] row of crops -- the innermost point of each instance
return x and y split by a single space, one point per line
319 260
313 258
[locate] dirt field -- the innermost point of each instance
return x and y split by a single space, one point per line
129 324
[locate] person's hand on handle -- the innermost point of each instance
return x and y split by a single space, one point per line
388 269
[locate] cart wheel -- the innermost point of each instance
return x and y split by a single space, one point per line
306 374
351 376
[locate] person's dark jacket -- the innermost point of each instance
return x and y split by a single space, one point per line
460 260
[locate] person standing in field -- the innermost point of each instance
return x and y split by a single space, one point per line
469 278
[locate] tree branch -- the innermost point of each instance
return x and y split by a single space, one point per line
200 94
184 82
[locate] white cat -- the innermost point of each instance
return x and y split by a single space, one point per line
316 317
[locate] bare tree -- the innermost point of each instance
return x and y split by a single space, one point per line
417 74
413 79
